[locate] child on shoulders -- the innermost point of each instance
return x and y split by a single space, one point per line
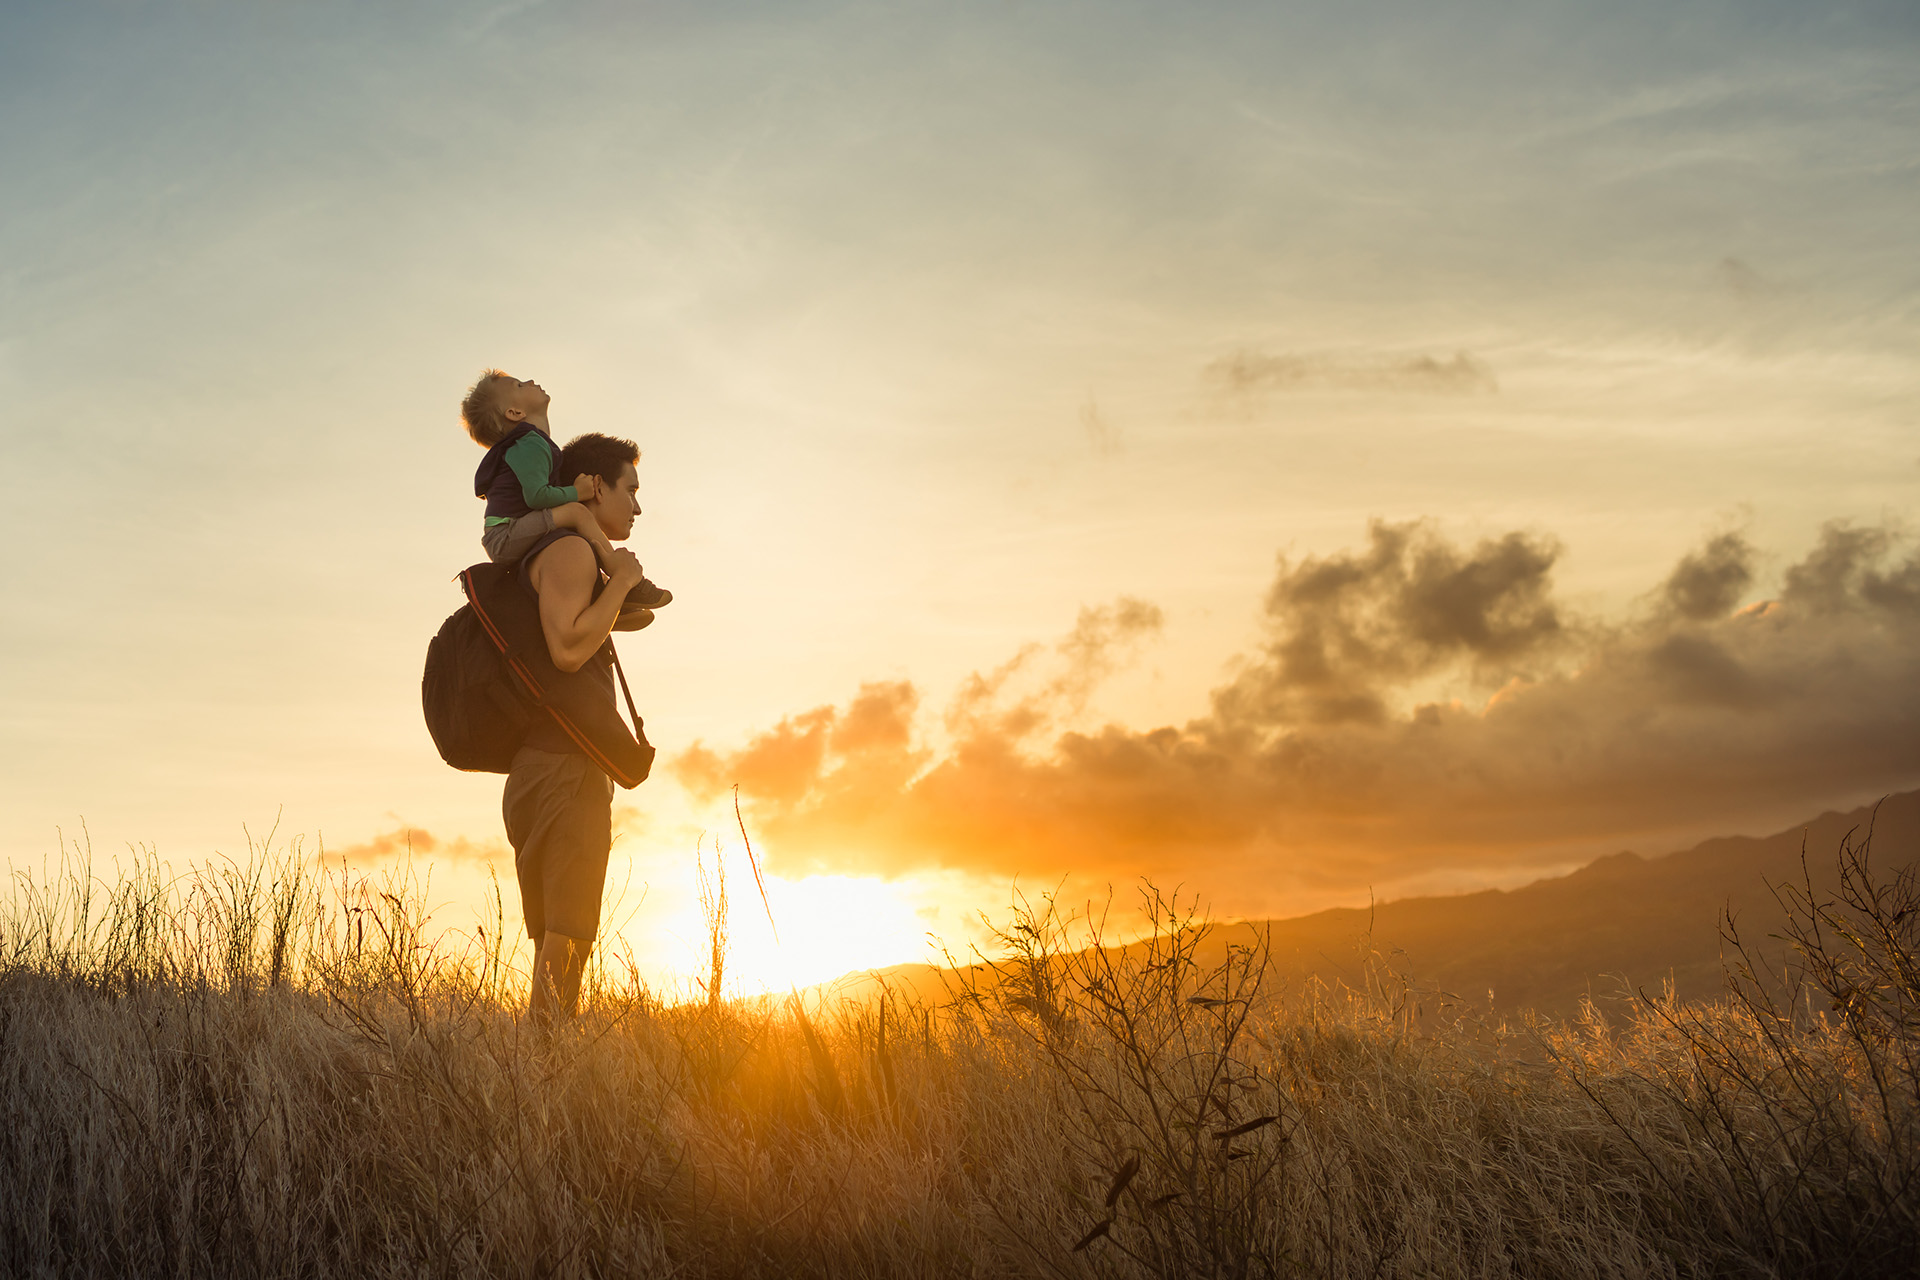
508 417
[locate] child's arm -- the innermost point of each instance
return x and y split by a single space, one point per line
532 463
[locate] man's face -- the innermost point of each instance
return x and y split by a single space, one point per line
617 504
520 398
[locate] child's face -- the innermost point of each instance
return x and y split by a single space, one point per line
521 398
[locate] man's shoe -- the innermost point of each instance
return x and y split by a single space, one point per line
648 596
632 619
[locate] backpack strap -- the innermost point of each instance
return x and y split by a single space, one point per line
525 576
624 691
512 621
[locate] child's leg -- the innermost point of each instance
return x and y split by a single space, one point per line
507 544
573 516
494 538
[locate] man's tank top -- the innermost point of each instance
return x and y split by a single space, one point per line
545 734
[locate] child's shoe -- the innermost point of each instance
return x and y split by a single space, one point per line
648 596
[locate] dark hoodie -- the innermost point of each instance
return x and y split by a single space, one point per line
516 476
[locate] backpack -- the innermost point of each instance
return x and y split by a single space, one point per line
488 675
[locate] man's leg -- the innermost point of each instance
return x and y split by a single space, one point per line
558 809
557 967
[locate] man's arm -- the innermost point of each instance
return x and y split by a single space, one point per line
574 623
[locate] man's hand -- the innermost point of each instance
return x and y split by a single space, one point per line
587 487
623 566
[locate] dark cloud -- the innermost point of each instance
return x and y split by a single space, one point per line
1708 583
1848 567
1415 705
1349 628
1249 372
1694 669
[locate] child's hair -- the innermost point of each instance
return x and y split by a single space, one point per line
480 411
596 455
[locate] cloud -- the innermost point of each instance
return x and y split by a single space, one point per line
1707 583
1248 372
1415 707
1038 687
421 846
860 760
1349 628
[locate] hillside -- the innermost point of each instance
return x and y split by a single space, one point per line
1620 923
244 1072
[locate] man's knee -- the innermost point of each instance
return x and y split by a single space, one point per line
555 946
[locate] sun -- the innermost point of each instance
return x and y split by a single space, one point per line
822 927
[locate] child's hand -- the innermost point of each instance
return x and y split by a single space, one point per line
588 487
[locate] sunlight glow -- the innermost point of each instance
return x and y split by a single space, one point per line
828 926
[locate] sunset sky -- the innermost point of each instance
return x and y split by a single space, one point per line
1294 452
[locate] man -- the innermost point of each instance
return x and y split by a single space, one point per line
558 805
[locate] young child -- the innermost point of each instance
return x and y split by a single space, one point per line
508 417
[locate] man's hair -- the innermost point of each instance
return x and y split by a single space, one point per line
480 412
595 455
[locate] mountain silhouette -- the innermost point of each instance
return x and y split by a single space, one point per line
1621 924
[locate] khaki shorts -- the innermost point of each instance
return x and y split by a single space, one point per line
507 544
559 812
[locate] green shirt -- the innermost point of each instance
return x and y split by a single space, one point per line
531 458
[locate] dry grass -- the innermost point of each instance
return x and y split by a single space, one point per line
264 1071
